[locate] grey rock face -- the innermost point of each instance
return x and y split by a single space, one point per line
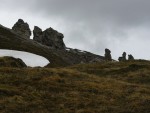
22 29
108 55
49 37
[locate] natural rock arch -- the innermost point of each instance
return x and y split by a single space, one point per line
12 41
57 53
30 59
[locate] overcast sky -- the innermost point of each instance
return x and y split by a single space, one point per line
92 25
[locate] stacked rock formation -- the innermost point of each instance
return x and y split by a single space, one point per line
22 29
123 58
49 37
108 55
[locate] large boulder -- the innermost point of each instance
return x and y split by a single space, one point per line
49 37
22 29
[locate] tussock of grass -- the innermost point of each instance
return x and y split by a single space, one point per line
86 88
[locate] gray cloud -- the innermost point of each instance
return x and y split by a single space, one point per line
121 25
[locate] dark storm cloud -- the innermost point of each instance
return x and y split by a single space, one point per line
125 12
92 24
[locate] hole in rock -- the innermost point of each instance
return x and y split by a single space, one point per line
29 59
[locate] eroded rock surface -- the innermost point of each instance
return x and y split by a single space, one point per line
49 37
22 29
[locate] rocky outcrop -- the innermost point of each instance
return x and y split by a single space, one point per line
108 55
22 29
49 37
123 58
130 57
57 57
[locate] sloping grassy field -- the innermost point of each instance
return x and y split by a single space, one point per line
86 88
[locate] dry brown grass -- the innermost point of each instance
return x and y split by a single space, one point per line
86 88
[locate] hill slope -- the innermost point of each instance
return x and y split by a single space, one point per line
86 88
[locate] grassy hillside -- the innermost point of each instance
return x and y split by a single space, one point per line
85 88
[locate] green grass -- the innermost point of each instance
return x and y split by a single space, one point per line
86 88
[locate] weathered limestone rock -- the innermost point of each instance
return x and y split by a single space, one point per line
49 37
108 55
123 58
130 57
22 29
